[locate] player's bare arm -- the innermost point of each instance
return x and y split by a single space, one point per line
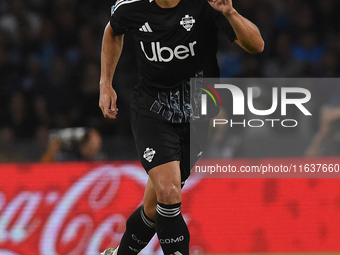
248 35
111 50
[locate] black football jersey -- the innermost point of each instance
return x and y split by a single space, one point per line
172 46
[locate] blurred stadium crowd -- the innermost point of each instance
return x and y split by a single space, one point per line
50 66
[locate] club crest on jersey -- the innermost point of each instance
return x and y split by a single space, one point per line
187 22
149 153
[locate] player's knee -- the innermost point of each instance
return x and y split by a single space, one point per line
169 194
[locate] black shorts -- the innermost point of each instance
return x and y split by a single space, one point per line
159 142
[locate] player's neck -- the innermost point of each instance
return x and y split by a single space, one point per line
167 3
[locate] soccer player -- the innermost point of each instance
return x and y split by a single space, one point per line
175 40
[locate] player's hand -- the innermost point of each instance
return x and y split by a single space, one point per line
224 6
107 101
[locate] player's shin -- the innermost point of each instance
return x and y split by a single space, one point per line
139 231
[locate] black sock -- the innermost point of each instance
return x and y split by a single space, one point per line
172 231
139 231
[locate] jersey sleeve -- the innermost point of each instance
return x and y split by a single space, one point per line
117 21
223 25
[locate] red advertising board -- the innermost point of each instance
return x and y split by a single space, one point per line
81 208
